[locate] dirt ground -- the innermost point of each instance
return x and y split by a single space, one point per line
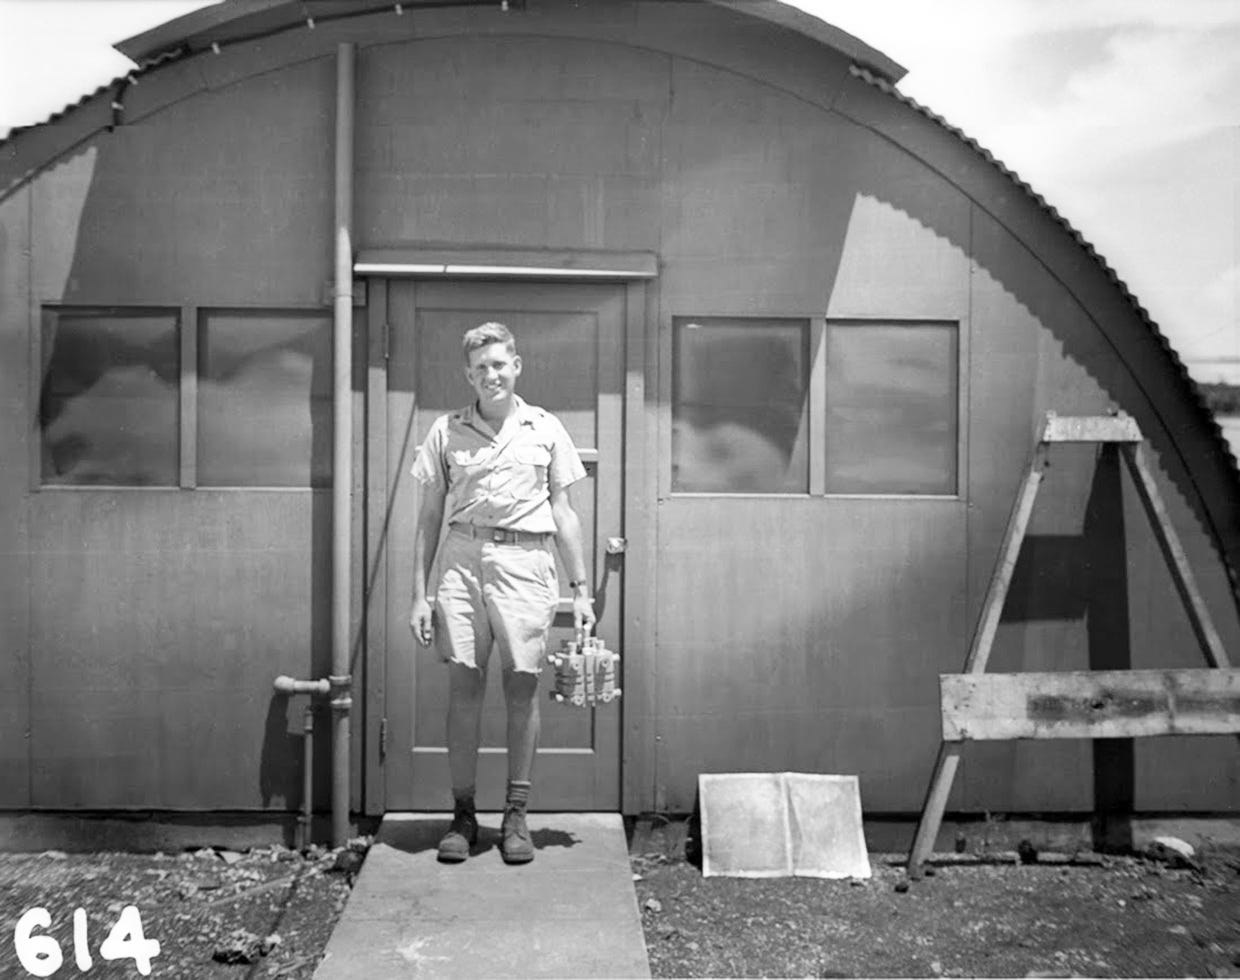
1112 917
269 912
216 914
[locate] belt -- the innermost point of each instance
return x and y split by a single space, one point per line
500 535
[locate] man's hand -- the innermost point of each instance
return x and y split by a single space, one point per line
420 622
583 613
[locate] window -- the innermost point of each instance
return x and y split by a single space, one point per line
881 399
264 398
109 397
891 408
739 406
143 397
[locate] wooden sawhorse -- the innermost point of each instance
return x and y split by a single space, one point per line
1077 704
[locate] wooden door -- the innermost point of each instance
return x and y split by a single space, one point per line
571 341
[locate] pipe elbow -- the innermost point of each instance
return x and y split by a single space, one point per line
288 685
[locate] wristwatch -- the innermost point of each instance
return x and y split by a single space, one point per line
576 582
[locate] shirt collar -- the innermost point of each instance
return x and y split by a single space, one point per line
523 415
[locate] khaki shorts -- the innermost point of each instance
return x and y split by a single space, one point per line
492 593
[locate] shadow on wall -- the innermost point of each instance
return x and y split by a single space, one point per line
1178 435
281 759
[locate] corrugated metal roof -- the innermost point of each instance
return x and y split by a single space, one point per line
61 113
236 20
239 18
1180 370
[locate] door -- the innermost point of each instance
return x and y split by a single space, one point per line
570 338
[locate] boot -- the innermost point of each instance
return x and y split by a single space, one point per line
516 847
462 835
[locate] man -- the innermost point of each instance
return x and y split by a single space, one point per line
501 469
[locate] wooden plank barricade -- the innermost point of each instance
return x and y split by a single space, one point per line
1090 704
1077 704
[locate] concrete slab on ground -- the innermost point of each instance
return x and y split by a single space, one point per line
572 912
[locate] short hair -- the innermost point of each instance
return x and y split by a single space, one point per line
485 335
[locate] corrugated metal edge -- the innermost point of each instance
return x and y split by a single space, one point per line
67 110
128 77
191 28
224 12
1173 356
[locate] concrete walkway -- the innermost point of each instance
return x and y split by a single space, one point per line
571 913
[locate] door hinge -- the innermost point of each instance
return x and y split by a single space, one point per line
383 738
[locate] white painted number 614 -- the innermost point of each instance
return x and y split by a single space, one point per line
41 955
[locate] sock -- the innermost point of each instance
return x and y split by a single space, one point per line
518 793
464 798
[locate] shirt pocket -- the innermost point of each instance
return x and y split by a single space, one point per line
529 471
533 456
464 463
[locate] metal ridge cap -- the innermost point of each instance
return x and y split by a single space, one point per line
172 34
1047 208
810 25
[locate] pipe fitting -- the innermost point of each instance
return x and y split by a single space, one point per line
288 685
342 691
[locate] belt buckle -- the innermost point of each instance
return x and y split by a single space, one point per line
499 535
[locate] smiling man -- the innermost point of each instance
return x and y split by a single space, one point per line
501 470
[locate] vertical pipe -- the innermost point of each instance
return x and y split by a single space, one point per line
307 779
342 441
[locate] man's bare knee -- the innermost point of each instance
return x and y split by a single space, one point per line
466 684
520 686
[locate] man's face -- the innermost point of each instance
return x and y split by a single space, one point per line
492 372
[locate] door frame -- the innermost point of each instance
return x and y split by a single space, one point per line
639 467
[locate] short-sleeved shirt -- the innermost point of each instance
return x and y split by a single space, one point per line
499 479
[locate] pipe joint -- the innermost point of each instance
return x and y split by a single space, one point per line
342 699
288 685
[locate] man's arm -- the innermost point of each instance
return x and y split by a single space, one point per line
425 541
568 540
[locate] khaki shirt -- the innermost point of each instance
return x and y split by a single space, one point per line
499 479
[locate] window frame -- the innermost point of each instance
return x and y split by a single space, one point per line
36 368
961 336
817 401
202 315
187 317
807 352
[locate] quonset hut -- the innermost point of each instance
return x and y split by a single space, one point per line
802 331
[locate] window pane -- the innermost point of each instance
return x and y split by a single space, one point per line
739 406
110 398
264 399
891 408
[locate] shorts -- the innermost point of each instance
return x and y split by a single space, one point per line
492 593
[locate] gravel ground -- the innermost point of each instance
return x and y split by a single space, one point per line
271 912
1126 917
215 914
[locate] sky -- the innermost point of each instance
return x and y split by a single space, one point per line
1123 114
